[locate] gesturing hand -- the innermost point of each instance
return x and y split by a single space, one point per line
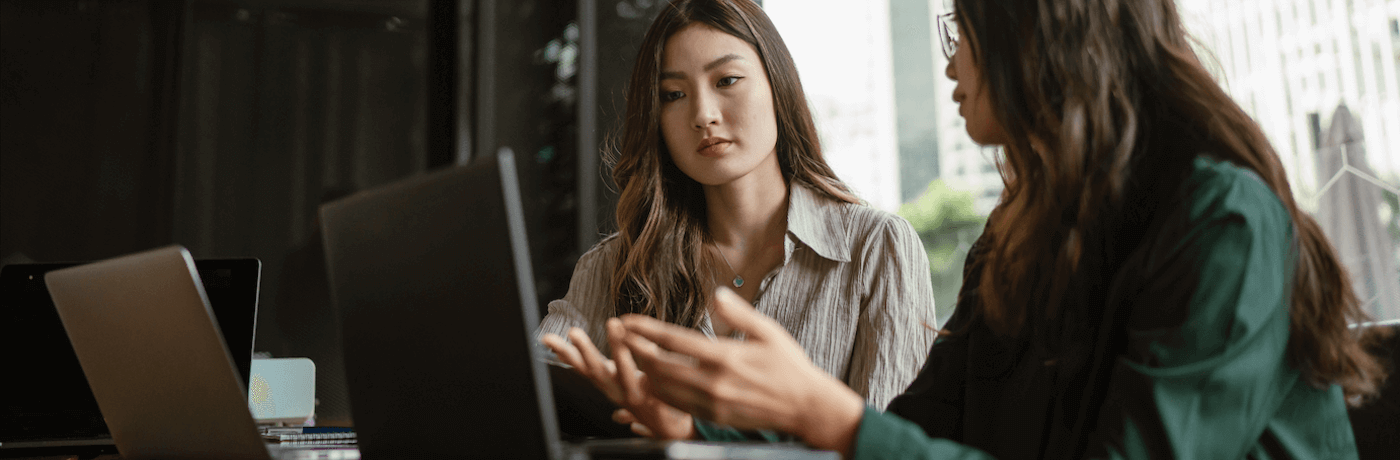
620 380
765 382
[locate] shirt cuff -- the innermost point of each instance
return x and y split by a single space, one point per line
711 431
887 436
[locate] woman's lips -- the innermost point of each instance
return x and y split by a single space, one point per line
713 147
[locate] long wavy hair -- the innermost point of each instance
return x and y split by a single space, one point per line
1117 101
661 214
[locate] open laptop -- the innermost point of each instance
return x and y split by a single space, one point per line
145 336
433 282
58 413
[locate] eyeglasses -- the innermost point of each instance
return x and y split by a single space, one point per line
948 34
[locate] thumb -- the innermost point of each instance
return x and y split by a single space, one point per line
624 416
740 315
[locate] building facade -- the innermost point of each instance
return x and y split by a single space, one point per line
1291 63
1322 78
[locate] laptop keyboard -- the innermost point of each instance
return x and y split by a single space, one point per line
319 438
309 435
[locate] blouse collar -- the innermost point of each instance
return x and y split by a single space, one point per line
817 222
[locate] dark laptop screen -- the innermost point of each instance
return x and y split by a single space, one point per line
49 398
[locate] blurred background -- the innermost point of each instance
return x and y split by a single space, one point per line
223 125
890 128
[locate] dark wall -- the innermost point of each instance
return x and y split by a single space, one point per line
620 26
85 162
525 100
283 107
223 125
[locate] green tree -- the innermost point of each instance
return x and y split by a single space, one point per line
947 224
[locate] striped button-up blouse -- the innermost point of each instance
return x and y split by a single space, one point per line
853 289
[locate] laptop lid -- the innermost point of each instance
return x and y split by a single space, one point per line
146 339
432 279
58 409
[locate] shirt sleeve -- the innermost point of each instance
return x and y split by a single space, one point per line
1205 365
1204 370
586 305
897 317
710 431
886 436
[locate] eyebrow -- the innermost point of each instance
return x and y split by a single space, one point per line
708 67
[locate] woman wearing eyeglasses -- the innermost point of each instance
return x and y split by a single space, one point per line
1146 288
723 183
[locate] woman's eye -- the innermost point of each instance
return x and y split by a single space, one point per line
668 96
726 81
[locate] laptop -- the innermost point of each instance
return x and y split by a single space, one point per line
432 278
147 340
59 413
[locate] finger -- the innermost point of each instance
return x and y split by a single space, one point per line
685 398
630 378
642 430
624 417
672 380
627 374
566 352
599 370
596 363
671 337
648 355
740 315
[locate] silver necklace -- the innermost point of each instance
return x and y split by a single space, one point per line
738 280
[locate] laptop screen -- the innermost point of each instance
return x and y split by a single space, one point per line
41 365
431 276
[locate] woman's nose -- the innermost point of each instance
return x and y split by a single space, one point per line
706 111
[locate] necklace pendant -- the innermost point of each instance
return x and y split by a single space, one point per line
738 281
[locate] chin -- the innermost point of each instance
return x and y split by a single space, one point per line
987 139
734 165
710 174
714 178
717 175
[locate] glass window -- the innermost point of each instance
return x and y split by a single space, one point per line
1356 62
1380 69
1295 110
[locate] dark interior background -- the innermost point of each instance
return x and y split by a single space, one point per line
127 125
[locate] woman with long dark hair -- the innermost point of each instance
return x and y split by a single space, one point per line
1146 288
723 183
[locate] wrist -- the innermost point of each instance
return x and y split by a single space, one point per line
690 431
832 417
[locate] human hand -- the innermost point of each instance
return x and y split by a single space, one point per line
620 380
765 382
586 360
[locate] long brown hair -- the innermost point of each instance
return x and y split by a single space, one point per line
1111 90
661 214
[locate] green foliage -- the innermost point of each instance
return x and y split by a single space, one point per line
947 224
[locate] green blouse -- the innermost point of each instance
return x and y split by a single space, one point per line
1202 372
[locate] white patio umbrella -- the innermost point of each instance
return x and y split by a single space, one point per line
1349 213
